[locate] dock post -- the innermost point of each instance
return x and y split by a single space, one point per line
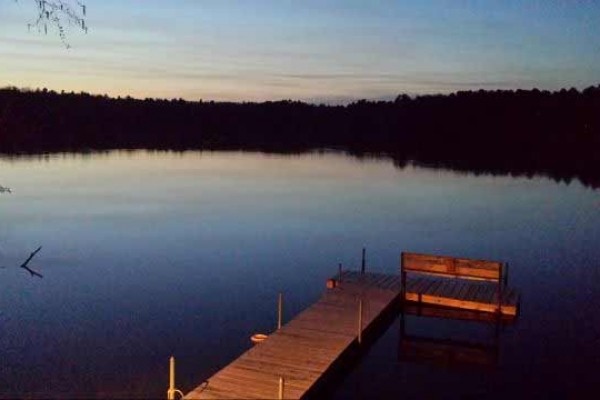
340 272
499 292
279 310
401 333
281 387
360 309
171 391
362 267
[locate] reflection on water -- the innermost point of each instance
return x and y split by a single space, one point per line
446 351
152 254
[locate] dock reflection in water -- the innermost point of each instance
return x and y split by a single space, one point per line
451 352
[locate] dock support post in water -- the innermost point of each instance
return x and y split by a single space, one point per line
360 309
340 272
172 390
279 310
281 387
362 266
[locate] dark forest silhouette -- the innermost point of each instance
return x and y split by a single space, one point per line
522 132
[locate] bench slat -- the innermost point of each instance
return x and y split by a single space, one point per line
451 267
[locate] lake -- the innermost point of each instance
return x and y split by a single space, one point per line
151 254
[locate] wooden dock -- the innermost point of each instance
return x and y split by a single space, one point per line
300 355
458 283
461 294
303 351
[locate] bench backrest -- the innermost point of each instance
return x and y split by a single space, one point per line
451 266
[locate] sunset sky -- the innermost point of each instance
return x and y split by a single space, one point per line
322 51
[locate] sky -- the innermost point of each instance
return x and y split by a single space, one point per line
316 51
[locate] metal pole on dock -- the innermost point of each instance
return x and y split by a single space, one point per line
362 267
281 387
360 309
171 391
340 272
279 310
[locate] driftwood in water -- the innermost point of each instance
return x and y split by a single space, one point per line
25 267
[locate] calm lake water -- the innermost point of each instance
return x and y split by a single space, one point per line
151 254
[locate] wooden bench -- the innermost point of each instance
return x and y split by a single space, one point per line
457 283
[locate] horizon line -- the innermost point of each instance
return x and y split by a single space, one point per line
331 101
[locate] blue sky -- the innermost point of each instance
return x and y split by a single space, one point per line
310 50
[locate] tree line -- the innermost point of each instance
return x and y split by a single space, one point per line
528 132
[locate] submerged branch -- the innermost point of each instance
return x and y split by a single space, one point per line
31 271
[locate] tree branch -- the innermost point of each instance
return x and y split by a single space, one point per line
59 13
24 265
